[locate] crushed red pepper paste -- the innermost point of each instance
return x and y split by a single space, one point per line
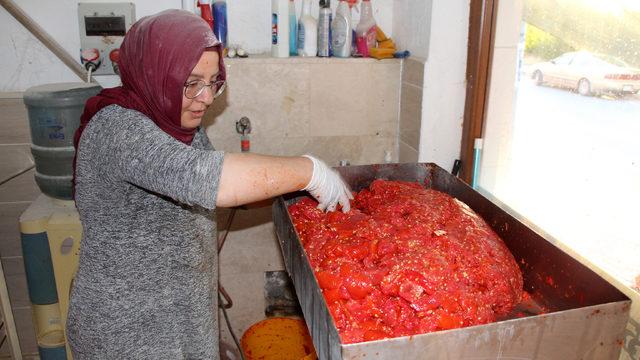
407 260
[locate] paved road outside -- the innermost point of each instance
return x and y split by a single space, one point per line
576 173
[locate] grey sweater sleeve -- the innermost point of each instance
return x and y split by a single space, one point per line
133 149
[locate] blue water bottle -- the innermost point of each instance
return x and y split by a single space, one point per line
220 21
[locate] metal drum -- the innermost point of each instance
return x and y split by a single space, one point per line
54 115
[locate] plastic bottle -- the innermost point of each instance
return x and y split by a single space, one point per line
205 12
189 5
366 29
280 28
307 32
220 21
354 48
293 29
341 31
324 29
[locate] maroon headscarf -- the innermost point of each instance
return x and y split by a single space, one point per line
157 56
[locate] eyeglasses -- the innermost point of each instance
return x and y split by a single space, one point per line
193 89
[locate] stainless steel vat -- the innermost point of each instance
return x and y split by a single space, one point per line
586 317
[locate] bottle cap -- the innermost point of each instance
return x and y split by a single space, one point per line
325 3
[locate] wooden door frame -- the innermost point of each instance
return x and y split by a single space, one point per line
482 24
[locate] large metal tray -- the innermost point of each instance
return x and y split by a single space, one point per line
586 315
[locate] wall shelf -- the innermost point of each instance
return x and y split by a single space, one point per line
268 59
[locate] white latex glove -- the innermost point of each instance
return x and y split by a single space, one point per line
327 187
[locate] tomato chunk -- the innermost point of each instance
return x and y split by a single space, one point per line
407 260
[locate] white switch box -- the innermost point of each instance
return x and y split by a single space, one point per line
102 28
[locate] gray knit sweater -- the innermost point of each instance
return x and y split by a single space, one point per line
146 287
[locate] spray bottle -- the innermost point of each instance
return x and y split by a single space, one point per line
307 32
280 28
220 21
293 29
324 29
366 29
205 12
341 31
354 23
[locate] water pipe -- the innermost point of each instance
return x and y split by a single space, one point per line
89 71
477 152
243 127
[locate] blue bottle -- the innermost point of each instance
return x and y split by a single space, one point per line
220 21
293 29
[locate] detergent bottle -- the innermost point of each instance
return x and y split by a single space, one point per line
366 29
307 32
341 31
280 28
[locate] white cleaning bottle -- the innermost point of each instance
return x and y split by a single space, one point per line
341 31
280 28
366 29
307 32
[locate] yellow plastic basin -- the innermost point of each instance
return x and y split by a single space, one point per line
278 339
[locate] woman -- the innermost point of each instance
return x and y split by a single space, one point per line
147 182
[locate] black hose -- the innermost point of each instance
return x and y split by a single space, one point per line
221 239
223 236
233 335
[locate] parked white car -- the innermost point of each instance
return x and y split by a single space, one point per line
588 74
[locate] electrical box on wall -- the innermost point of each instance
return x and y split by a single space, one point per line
102 28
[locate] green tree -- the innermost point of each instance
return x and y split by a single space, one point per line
582 27
544 45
